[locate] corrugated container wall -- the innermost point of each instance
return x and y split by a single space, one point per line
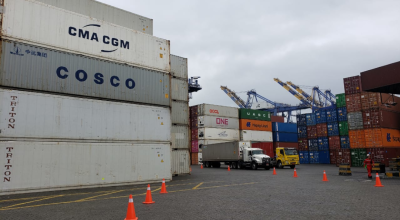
311 120
353 103
29 67
302 131
284 127
331 115
218 122
58 28
218 134
217 110
333 129
352 85
342 114
106 13
376 118
255 125
301 120
284 137
180 161
323 143
262 136
50 165
180 136
180 113
340 100
179 90
252 114
320 116
36 115
179 67
303 144
313 144
304 157
355 120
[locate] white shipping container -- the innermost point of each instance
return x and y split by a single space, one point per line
262 136
201 143
179 67
180 162
179 90
60 165
218 134
200 156
105 12
41 24
36 115
217 110
218 122
180 136
180 112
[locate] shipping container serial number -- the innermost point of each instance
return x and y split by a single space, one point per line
82 76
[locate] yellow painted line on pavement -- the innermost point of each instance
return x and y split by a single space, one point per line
81 200
49 197
198 185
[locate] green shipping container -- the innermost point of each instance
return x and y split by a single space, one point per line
254 114
358 156
340 100
343 128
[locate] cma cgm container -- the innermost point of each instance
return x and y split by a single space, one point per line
352 85
179 67
323 143
218 134
311 119
320 116
331 115
218 122
342 114
180 136
180 112
333 129
180 161
29 67
262 136
35 115
179 89
285 137
304 157
353 103
68 31
376 118
59 165
104 12
301 120
246 124
217 110
340 100
302 131
313 144
355 120
284 127
254 114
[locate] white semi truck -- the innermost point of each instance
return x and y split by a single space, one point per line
236 154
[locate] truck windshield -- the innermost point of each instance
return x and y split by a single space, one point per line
290 152
257 152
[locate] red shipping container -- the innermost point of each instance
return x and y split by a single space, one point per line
334 142
365 103
353 103
352 85
303 144
194 123
343 156
383 155
277 119
376 118
383 101
267 147
312 131
322 130
194 158
286 144
195 134
332 156
195 146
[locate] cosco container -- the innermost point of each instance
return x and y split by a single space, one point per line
333 129
320 116
344 142
68 31
301 120
331 115
217 122
352 85
343 128
180 112
376 118
254 114
355 120
35 165
262 136
179 67
302 131
218 134
340 100
313 144
311 119
304 157
285 137
342 114
255 125
35 68
284 127
303 144
180 162
314 157
179 90
323 156
28 115
180 136
334 142
217 110
104 12
323 143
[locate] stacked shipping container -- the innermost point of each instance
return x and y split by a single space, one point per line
302 135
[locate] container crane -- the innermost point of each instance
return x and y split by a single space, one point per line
306 95
194 85
298 96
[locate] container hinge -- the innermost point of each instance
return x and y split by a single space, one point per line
1 9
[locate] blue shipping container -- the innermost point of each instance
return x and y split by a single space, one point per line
301 120
342 114
285 137
302 131
284 127
313 144
314 156
311 119
324 156
344 142
304 157
333 129
331 115
323 143
320 116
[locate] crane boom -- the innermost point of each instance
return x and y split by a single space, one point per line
316 88
306 95
234 97
294 93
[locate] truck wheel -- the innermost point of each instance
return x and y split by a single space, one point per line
234 165
254 166
279 165
207 164
292 166
267 167
240 165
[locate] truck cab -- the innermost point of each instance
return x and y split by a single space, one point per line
255 157
286 157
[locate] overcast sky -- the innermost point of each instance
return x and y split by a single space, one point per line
245 44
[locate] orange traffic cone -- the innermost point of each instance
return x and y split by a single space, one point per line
201 167
148 200
229 167
325 179
274 173
163 188
130 214
190 169
295 173
378 181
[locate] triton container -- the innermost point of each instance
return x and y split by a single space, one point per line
180 136
180 161
179 90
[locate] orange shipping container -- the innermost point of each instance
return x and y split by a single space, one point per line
195 158
390 137
357 138
373 138
255 125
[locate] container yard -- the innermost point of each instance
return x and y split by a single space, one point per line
96 111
